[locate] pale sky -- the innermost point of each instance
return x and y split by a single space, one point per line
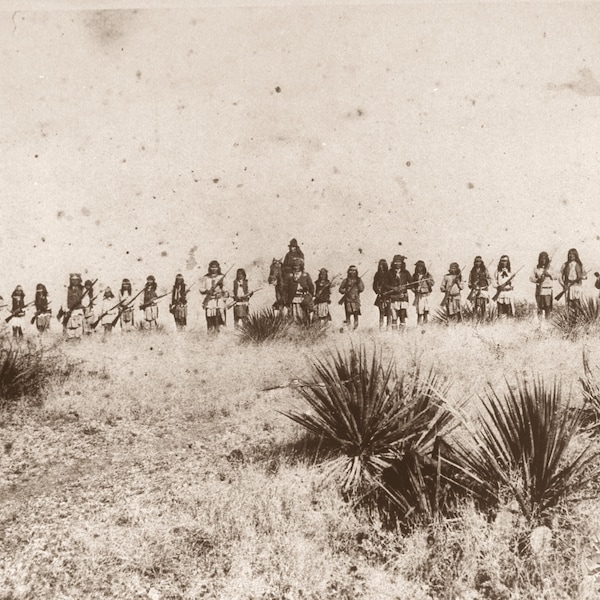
132 140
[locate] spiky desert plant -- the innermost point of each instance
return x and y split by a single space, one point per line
573 321
263 326
468 315
376 423
25 371
591 395
520 448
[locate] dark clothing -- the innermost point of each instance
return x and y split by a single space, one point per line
299 286
479 278
392 284
18 305
41 302
288 261
322 291
150 294
179 294
74 296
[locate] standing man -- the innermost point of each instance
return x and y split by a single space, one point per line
73 318
87 302
543 279
479 284
126 307
571 276
300 292
42 310
422 283
351 288
396 291
149 305
178 306
215 297
452 285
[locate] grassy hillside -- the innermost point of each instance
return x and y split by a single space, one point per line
162 467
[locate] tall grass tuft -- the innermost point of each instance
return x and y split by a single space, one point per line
381 428
25 371
573 322
591 396
520 450
263 326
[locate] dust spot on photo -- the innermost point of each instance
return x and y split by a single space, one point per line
85 211
587 85
191 262
470 185
108 26
60 214
164 253
278 89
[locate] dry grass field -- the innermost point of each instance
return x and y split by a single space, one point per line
163 468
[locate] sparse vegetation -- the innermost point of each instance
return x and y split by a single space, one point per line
573 322
25 371
159 469
520 450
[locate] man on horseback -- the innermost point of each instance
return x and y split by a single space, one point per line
293 254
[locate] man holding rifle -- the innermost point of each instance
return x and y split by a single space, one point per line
215 297
479 283
452 285
43 312
351 288
504 288
543 279
395 290
149 305
571 276
422 284
72 319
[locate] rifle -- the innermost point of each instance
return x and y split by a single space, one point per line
37 313
214 284
95 323
145 305
444 301
354 284
14 314
566 287
249 294
501 287
476 291
328 286
67 314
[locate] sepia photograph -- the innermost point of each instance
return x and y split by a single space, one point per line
299 300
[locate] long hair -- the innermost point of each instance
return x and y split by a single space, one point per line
543 257
420 269
499 268
382 266
126 286
213 263
575 256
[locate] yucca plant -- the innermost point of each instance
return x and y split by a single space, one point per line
468 315
520 450
591 395
573 321
376 423
25 371
263 326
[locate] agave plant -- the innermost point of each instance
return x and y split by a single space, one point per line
520 448
25 371
468 315
591 395
379 425
263 326
573 321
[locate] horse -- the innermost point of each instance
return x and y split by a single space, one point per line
276 279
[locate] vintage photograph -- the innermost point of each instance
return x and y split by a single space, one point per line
299 300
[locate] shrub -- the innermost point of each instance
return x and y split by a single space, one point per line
263 326
381 430
468 315
591 396
520 448
573 322
25 371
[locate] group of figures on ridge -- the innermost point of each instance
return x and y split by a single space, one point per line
392 284
303 300
85 310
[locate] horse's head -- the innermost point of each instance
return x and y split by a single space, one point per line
275 271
